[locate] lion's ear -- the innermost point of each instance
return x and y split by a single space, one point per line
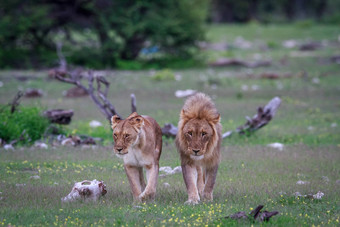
137 121
114 121
216 119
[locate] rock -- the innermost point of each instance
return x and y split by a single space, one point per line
290 43
325 179
41 145
95 124
278 146
36 177
184 93
318 195
169 171
9 147
166 184
300 182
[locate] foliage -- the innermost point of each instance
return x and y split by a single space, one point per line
162 75
121 29
26 122
269 11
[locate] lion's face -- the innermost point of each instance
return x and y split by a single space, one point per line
126 132
197 134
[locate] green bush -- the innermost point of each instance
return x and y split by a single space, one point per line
26 121
163 75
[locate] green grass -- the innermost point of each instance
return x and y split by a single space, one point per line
307 122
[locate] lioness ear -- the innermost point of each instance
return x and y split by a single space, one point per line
216 119
114 121
137 122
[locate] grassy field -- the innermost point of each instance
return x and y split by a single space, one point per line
307 123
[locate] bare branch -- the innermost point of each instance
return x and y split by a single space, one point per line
15 102
133 103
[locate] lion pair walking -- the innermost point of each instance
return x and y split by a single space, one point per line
138 141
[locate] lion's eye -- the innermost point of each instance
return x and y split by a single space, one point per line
115 136
126 136
190 133
203 133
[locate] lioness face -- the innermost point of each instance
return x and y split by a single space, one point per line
125 133
197 134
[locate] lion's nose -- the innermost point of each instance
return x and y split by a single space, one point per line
196 151
119 149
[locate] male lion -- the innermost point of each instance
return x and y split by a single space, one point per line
138 141
198 142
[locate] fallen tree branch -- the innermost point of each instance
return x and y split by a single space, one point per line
262 118
239 62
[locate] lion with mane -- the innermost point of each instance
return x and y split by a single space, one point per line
198 142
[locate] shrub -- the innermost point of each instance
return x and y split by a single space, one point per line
26 121
163 75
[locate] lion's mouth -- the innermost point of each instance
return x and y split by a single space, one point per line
196 157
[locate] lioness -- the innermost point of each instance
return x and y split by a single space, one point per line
138 141
198 142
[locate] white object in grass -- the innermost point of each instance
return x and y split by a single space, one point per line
95 124
86 190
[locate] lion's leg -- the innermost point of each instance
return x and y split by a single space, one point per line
141 178
200 180
152 178
190 179
132 173
211 174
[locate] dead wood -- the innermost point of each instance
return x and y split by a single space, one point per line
16 101
169 130
238 62
75 92
133 103
97 86
59 116
33 93
255 215
262 118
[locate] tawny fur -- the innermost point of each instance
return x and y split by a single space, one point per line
198 141
138 141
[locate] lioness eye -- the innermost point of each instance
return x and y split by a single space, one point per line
190 133
203 133
115 135
127 135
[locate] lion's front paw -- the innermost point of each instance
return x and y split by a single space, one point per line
208 197
192 202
